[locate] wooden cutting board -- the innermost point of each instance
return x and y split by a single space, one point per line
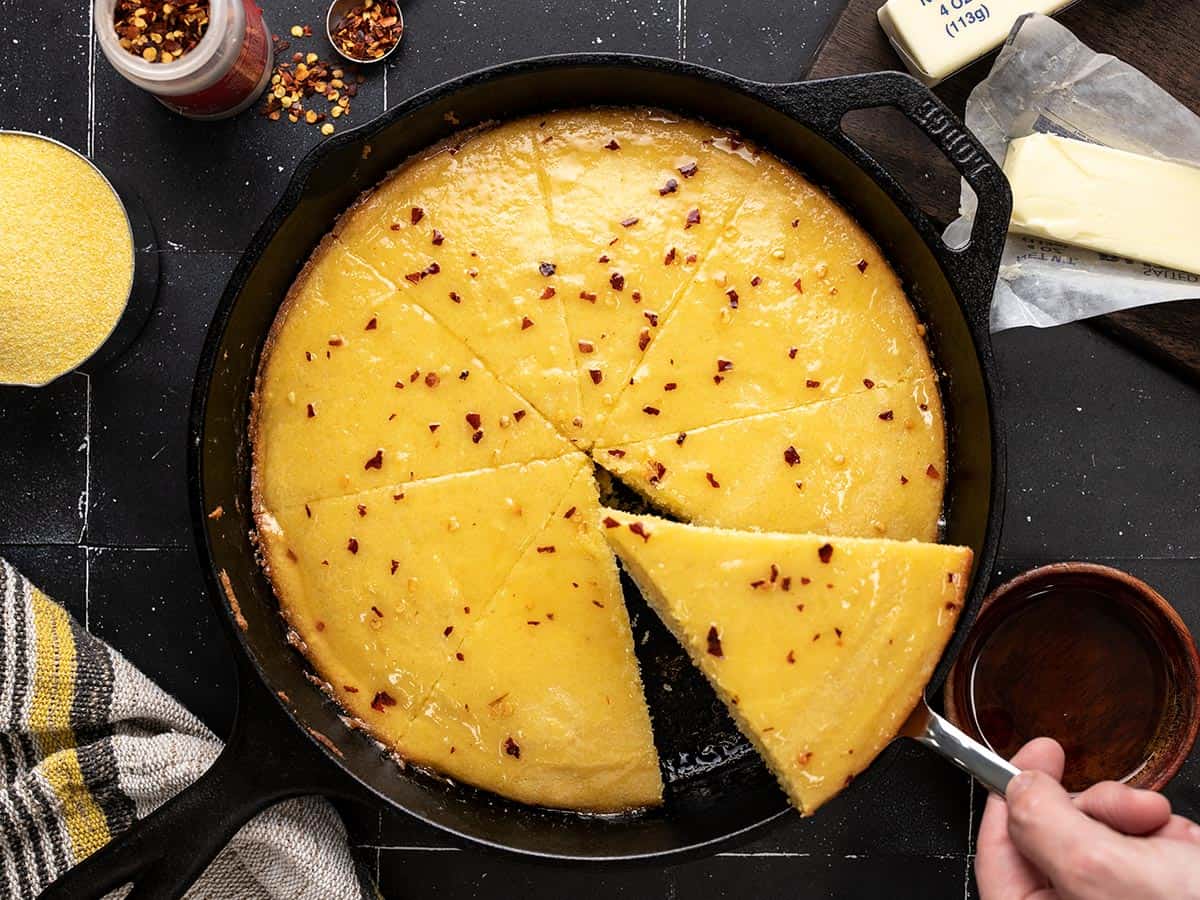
1156 36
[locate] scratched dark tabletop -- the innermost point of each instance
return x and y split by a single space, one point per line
1103 445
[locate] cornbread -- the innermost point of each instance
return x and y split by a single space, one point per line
711 328
57 308
819 646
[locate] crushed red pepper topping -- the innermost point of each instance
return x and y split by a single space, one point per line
548 548
714 642
693 218
381 700
786 583
643 339
157 31
887 415
519 414
432 379
378 614
547 268
638 529
454 297
712 479
792 351
617 280
791 455
588 296
670 257
596 375
548 293
617 453
510 746
610 522
651 410
651 317
932 472
434 426
362 510
755 281
724 365
682 437
474 419
369 30
446 632
630 222
570 512
417 214
825 552
670 187
372 324
670 386
477 437
868 383
687 170
612 145
437 238
376 461
352 545
733 298
861 265
798 284
459 656
526 323
395 565
791 657
586 347
311 411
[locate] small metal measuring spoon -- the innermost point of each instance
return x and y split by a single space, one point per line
988 768
340 9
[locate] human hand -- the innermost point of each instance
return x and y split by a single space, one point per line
1111 841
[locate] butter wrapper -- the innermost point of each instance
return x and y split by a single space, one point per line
1046 80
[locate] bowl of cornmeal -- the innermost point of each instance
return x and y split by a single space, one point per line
68 266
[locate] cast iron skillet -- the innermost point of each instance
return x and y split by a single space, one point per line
288 738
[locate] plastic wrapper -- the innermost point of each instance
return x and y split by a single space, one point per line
1046 80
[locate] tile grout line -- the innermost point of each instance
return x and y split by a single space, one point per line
681 42
91 94
970 838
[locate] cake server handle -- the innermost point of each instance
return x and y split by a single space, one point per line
985 766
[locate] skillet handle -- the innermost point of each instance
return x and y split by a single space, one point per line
163 854
971 268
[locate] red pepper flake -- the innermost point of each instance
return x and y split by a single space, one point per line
378 614
352 545
795 222
434 426
693 218
459 656
712 479
924 407
399 496
670 257
670 386
825 552
760 583
526 323
651 410
376 461
588 296
932 472
519 414
868 383
373 324
610 522
774 573
612 145
432 379
362 510
903 479
570 512
437 238
382 699
838 632
690 258
510 746
669 188
307 510
651 317
454 297
547 268
349 689
724 365
603 258
786 583
733 298
477 437
619 454
446 632
336 342
595 603
596 375
586 347
658 470
548 293
792 351
311 411
414 277
643 339
887 415
862 265
682 437
617 280
791 657
791 455
417 214
474 419
395 566
638 529
714 642
395 226
687 170
630 222
308 356
464 374
798 284
804 580
549 548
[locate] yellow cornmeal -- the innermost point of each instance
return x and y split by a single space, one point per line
66 260
601 281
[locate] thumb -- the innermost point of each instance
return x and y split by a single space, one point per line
1051 832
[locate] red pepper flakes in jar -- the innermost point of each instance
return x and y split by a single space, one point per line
220 69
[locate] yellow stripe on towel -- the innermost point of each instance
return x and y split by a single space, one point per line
50 723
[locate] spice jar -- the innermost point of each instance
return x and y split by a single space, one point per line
221 75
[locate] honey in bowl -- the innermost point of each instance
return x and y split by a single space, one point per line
1078 665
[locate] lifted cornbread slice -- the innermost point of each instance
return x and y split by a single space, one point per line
794 303
544 703
637 198
819 646
869 464
361 389
380 586
464 233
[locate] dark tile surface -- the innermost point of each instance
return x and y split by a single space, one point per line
93 505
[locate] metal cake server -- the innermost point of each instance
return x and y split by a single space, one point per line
927 727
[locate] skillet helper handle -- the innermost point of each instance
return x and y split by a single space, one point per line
163 854
972 267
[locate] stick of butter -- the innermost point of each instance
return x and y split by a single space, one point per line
936 38
1107 200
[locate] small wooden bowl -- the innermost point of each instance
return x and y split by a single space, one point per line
1181 716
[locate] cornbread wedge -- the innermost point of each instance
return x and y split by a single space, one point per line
543 702
820 647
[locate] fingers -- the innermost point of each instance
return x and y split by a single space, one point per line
1128 810
1180 829
1000 870
1058 839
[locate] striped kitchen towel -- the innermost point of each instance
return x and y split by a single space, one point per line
88 744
